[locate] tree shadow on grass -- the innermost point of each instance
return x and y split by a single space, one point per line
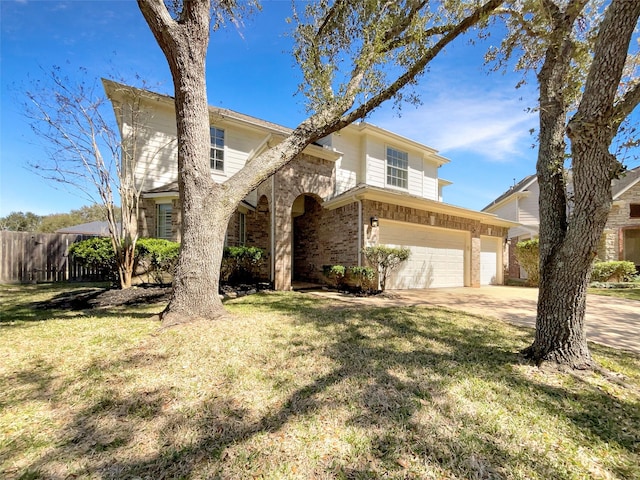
389 368
67 303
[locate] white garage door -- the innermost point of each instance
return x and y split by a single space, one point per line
437 256
489 260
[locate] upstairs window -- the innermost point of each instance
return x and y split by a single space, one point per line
217 149
634 210
163 225
397 168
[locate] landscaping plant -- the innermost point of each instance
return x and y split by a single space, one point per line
385 259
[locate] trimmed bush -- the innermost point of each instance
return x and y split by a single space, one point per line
158 256
613 271
528 255
334 274
96 253
241 264
385 259
361 278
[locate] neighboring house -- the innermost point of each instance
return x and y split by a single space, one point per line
98 229
358 187
621 236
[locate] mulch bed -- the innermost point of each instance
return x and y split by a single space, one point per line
90 298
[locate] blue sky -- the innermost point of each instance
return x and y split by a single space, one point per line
476 119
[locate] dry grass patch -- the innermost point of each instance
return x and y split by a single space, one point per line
295 387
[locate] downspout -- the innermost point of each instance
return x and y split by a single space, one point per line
359 231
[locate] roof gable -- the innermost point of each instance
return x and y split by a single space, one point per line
520 187
622 184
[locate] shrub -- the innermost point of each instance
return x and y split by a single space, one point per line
614 271
385 259
158 256
528 255
361 278
334 274
96 253
241 264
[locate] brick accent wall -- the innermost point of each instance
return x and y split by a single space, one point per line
305 175
258 232
324 237
514 265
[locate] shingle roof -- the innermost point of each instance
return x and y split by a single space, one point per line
92 228
630 178
168 188
518 187
620 185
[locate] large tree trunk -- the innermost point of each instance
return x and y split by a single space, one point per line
205 213
206 206
568 250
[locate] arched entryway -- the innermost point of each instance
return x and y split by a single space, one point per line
308 253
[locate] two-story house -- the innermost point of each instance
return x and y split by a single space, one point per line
621 236
358 187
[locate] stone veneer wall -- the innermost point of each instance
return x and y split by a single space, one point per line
612 243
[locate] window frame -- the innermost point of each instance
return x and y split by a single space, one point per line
216 149
634 210
393 158
164 229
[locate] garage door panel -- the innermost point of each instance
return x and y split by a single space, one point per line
437 256
489 265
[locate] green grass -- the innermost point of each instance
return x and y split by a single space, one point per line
297 387
626 293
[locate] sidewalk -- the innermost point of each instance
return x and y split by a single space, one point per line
609 321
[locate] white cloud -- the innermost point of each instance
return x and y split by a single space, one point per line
492 124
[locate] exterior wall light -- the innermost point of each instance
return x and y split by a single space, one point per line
374 221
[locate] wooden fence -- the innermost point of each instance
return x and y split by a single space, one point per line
40 257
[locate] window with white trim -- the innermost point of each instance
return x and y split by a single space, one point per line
216 154
163 225
397 168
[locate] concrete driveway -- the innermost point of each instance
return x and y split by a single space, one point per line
610 321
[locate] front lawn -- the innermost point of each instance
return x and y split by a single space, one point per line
626 293
294 387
